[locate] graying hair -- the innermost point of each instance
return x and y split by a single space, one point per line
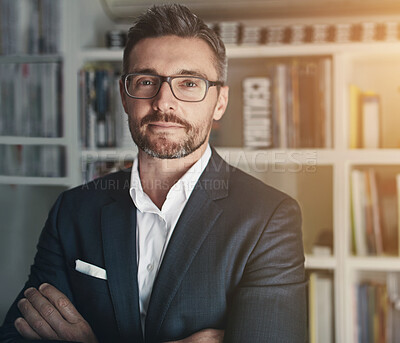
178 20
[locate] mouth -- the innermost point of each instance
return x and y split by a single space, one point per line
165 125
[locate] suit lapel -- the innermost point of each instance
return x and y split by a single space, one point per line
196 221
118 224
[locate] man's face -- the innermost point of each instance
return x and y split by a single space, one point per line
165 127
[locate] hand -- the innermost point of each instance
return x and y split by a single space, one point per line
204 336
48 314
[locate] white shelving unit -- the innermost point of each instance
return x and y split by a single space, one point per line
340 159
26 200
68 140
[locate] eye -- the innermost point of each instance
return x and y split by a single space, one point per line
190 84
145 82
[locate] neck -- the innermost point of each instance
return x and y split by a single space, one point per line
159 175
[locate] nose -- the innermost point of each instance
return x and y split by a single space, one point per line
165 100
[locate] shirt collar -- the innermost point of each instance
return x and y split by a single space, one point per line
182 188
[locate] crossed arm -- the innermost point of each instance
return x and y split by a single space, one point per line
48 314
268 305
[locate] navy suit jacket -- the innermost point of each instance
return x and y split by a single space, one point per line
234 262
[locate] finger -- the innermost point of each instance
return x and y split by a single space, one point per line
35 320
46 309
206 336
24 329
61 303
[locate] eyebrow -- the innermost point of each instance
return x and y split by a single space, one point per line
180 72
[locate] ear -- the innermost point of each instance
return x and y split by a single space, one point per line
222 103
123 95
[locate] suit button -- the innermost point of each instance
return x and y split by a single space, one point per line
150 267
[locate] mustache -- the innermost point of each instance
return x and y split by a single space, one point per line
162 117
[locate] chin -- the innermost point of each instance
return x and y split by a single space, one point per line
170 150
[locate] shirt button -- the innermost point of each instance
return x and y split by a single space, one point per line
150 267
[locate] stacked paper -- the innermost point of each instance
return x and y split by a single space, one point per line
298 34
275 35
320 33
368 32
229 31
251 35
343 33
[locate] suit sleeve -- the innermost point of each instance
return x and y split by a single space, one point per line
49 266
269 305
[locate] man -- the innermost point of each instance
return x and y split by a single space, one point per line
183 247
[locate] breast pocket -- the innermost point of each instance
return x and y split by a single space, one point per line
93 302
88 284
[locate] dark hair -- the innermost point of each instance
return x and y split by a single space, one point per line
178 20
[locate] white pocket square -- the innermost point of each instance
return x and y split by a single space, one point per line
90 269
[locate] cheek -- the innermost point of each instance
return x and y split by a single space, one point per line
138 109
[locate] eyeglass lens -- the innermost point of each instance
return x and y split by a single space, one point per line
186 88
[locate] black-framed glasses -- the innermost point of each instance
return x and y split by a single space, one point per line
184 87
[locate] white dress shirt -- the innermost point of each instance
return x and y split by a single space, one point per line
154 227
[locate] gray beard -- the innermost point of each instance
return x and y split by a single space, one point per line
167 150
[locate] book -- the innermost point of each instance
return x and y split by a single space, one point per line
321 317
374 202
366 209
358 198
256 112
33 160
398 210
389 212
365 119
280 114
102 117
96 169
326 90
393 313
372 311
30 97
310 128
355 117
301 103
29 26
370 109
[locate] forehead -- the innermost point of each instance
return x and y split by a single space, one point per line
168 55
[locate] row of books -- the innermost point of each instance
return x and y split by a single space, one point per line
29 27
32 160
99 168
320 307
372 310
30 99
375 201
378 310
234 32
103 122
290 107
365 119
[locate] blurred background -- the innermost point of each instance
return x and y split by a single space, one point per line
314 111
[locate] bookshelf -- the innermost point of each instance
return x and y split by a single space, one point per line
42 59
327 203
319 178
27 197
